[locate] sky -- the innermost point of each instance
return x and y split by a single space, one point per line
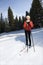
19 7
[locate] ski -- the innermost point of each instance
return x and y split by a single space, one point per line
23 49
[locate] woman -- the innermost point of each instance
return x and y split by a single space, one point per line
27 27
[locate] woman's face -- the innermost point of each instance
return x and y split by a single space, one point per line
28 18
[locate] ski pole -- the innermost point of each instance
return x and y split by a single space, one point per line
33 42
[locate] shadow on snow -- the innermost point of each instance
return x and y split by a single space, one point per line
37 38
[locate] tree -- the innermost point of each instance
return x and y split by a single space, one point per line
41 1
16 23
20 23
1 17
23 19
7 27
35 12
11 19
42 17
2 24
27 13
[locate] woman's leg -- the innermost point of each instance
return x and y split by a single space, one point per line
29 34
26 38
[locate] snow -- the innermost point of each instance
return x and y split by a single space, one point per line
12 43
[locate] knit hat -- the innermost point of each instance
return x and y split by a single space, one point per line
27 17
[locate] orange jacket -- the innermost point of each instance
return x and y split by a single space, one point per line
28 26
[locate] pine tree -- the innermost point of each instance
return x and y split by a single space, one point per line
1 17
2 24
41 1
11 19
35 12
27 13
16 19
7 27
16 23
42 17
23 19
20 23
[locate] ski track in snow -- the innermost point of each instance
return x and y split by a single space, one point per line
12 44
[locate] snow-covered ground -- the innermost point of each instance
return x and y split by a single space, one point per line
12 43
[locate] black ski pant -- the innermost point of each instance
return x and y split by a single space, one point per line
28 37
